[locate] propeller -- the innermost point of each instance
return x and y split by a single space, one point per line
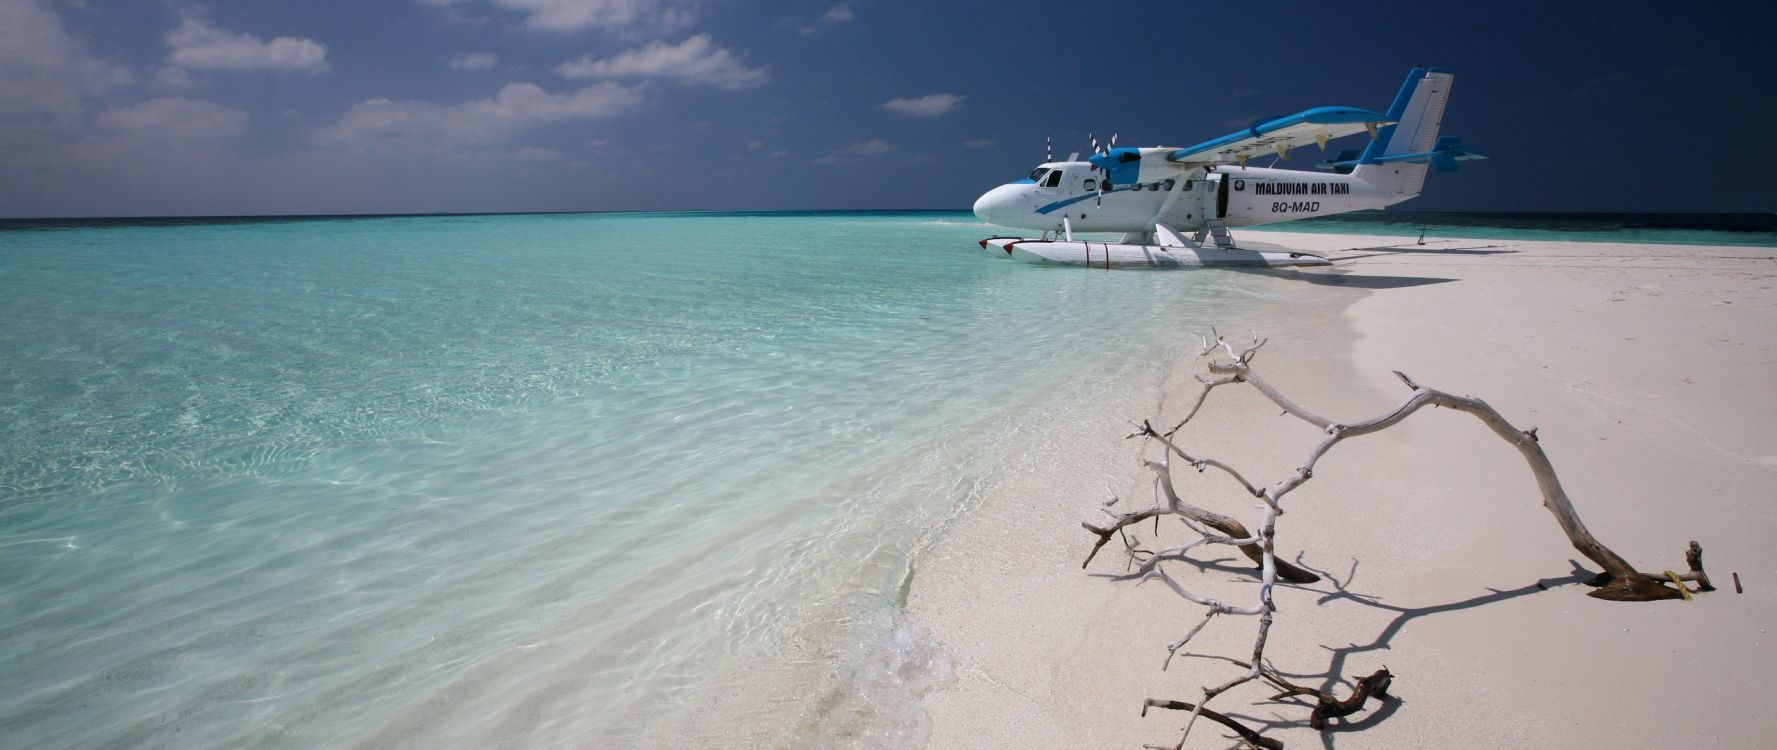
1106 148
1103 184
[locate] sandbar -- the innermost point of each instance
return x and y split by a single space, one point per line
1648 371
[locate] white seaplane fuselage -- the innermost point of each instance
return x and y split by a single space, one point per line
1157 197
1064 195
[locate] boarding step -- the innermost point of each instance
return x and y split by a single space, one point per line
1166 236
1219 231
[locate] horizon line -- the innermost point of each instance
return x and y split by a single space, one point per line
451 214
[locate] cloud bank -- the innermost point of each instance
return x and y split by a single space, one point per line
383 123
567 16
196 45
925 106
45 73
696 60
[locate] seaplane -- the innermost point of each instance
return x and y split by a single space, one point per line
1175 206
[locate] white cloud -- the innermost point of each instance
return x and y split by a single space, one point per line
696 60
199 46
925 106
382 122
173 77
578 15
838 14
174 119
473 61
45 73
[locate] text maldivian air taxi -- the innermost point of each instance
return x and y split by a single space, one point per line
1156 196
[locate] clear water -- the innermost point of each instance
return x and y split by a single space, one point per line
530 481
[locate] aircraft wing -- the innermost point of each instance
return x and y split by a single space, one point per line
1278 135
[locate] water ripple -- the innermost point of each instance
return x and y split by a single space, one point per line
521 481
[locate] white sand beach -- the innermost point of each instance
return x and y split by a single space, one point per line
1648 371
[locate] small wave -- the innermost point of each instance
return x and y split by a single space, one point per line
875 701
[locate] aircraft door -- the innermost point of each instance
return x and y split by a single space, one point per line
1218 185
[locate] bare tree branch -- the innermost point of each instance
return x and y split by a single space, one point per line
1252 738
1619 582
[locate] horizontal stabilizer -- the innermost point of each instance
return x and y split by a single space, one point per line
1343 163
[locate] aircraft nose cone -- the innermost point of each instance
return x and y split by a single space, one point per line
993 207
984 207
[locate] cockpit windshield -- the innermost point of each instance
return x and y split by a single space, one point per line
1037 176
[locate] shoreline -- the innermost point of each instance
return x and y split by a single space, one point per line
1641 367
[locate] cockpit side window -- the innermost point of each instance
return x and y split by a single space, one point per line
1037 176
1054 179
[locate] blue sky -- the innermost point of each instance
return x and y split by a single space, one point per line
158 107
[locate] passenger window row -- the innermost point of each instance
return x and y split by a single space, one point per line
1052 178
1166 185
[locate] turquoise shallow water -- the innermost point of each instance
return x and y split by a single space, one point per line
535 481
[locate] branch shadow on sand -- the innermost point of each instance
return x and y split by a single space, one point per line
1388 250
1334 679
1340 590
1342 277
1353 280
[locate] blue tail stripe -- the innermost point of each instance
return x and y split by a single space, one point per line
1380 145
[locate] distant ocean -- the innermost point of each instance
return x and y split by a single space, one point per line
572 480
521 481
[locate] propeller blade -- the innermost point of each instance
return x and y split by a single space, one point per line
1107 149
1048 149
1094 140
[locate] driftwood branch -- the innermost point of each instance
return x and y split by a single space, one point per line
1328 707
1620 581
1176 506
1251 737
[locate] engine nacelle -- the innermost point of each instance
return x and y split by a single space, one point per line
1134 166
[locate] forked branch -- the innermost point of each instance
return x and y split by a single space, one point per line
1619 582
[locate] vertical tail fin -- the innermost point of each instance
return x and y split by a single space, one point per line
1418 110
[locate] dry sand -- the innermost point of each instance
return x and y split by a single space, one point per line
1651 373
